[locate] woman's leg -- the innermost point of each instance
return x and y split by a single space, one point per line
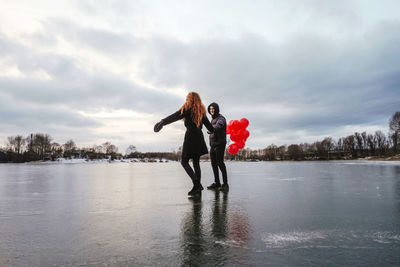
196 166
219 152
188 169
195 176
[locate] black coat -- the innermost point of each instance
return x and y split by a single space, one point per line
218 137
194 144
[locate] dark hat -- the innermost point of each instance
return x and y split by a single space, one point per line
216 107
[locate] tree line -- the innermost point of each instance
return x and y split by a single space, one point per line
40 146
358 145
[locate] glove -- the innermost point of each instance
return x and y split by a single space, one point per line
158 126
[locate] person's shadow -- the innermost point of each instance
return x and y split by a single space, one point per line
209 241
219 216
202 246
193 243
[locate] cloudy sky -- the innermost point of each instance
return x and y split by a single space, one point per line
98 71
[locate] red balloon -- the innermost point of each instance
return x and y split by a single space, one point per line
236 136
235 125
246 134
240 144
240 134
244 122
230 123
228 129
233 137
233 149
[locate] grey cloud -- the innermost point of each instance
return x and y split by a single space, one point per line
30 104
343 83
28 61
17 112
96 92
71 85
340 11
117 44
42 39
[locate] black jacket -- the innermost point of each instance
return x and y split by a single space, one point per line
219 124
194 144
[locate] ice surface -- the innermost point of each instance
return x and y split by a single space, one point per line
276 213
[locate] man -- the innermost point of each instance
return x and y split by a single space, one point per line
217 150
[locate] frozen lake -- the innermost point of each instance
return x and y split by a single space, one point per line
344 213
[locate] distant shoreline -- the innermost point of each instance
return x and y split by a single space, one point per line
394 158
152 160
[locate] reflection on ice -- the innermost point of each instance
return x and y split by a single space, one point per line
283 239
328 238
207 240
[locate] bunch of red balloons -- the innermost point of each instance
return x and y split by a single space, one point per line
238 134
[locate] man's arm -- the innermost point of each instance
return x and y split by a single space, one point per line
221 123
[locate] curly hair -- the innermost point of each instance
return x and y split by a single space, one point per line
193 102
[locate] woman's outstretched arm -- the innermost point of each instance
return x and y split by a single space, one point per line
208 124
170 119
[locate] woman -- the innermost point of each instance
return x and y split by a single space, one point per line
193 113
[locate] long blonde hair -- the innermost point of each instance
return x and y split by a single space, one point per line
193 102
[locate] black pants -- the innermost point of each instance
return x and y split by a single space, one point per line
217 161
196 175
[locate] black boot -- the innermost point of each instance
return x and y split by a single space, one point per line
195 191
224 188
214 186
197 188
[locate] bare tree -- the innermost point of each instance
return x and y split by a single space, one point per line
11 143
349 144
371 143
394 126
281 152
394 138
365 142
98 149
69 145
270 152
394 122
55 146
340 145
328 143
39 144
110 148
294 152
56 149
380 140
29 143
359 142
20 143
16 144
131 149
47 142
